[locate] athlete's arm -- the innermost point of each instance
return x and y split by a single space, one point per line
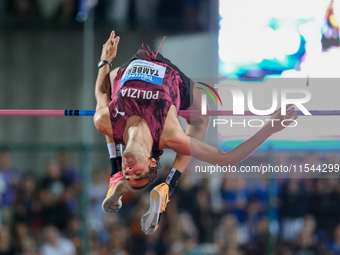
183 144
103 86
102 92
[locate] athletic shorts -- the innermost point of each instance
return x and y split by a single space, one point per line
186 88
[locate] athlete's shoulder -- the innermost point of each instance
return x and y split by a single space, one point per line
113 74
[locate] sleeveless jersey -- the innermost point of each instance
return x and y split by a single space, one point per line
147 88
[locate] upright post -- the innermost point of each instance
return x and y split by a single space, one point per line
87 123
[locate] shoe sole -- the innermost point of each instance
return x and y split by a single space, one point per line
113 203
150 219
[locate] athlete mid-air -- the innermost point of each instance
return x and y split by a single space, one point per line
137 106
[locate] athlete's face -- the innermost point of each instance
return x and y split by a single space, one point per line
135 168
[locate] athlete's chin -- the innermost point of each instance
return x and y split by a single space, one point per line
129 156
134 156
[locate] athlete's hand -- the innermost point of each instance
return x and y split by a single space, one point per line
276 121
109 51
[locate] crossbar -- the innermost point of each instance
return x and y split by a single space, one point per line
187 113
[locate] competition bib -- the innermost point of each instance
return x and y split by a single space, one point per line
145 71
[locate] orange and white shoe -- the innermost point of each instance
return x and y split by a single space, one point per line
159 198
118 187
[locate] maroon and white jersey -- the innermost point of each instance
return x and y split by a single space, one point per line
146 87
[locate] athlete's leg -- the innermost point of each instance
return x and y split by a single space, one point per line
196 128
118 185
159 196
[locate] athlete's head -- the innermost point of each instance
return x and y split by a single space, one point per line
140 169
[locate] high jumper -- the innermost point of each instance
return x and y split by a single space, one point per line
141 112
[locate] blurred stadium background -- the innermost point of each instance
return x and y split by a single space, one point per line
54 170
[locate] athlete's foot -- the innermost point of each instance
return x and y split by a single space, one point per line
159 198
118 187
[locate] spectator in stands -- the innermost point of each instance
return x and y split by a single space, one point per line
191 13
205 223
68 10
56 245
186 195
257 245
232 252
146 12
24 241
120 242
184 234
264 193
135 215
68 171
148 244
72 175
27 206
118 13
293 208
27 212
73 233
54 195
257 228
110 222
306 243
334 205
9 177
319 204
180 232
95 246
65 10
334 245
309 227
96 191
234 195
225 228
6 242
155 245
22 9
172 14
